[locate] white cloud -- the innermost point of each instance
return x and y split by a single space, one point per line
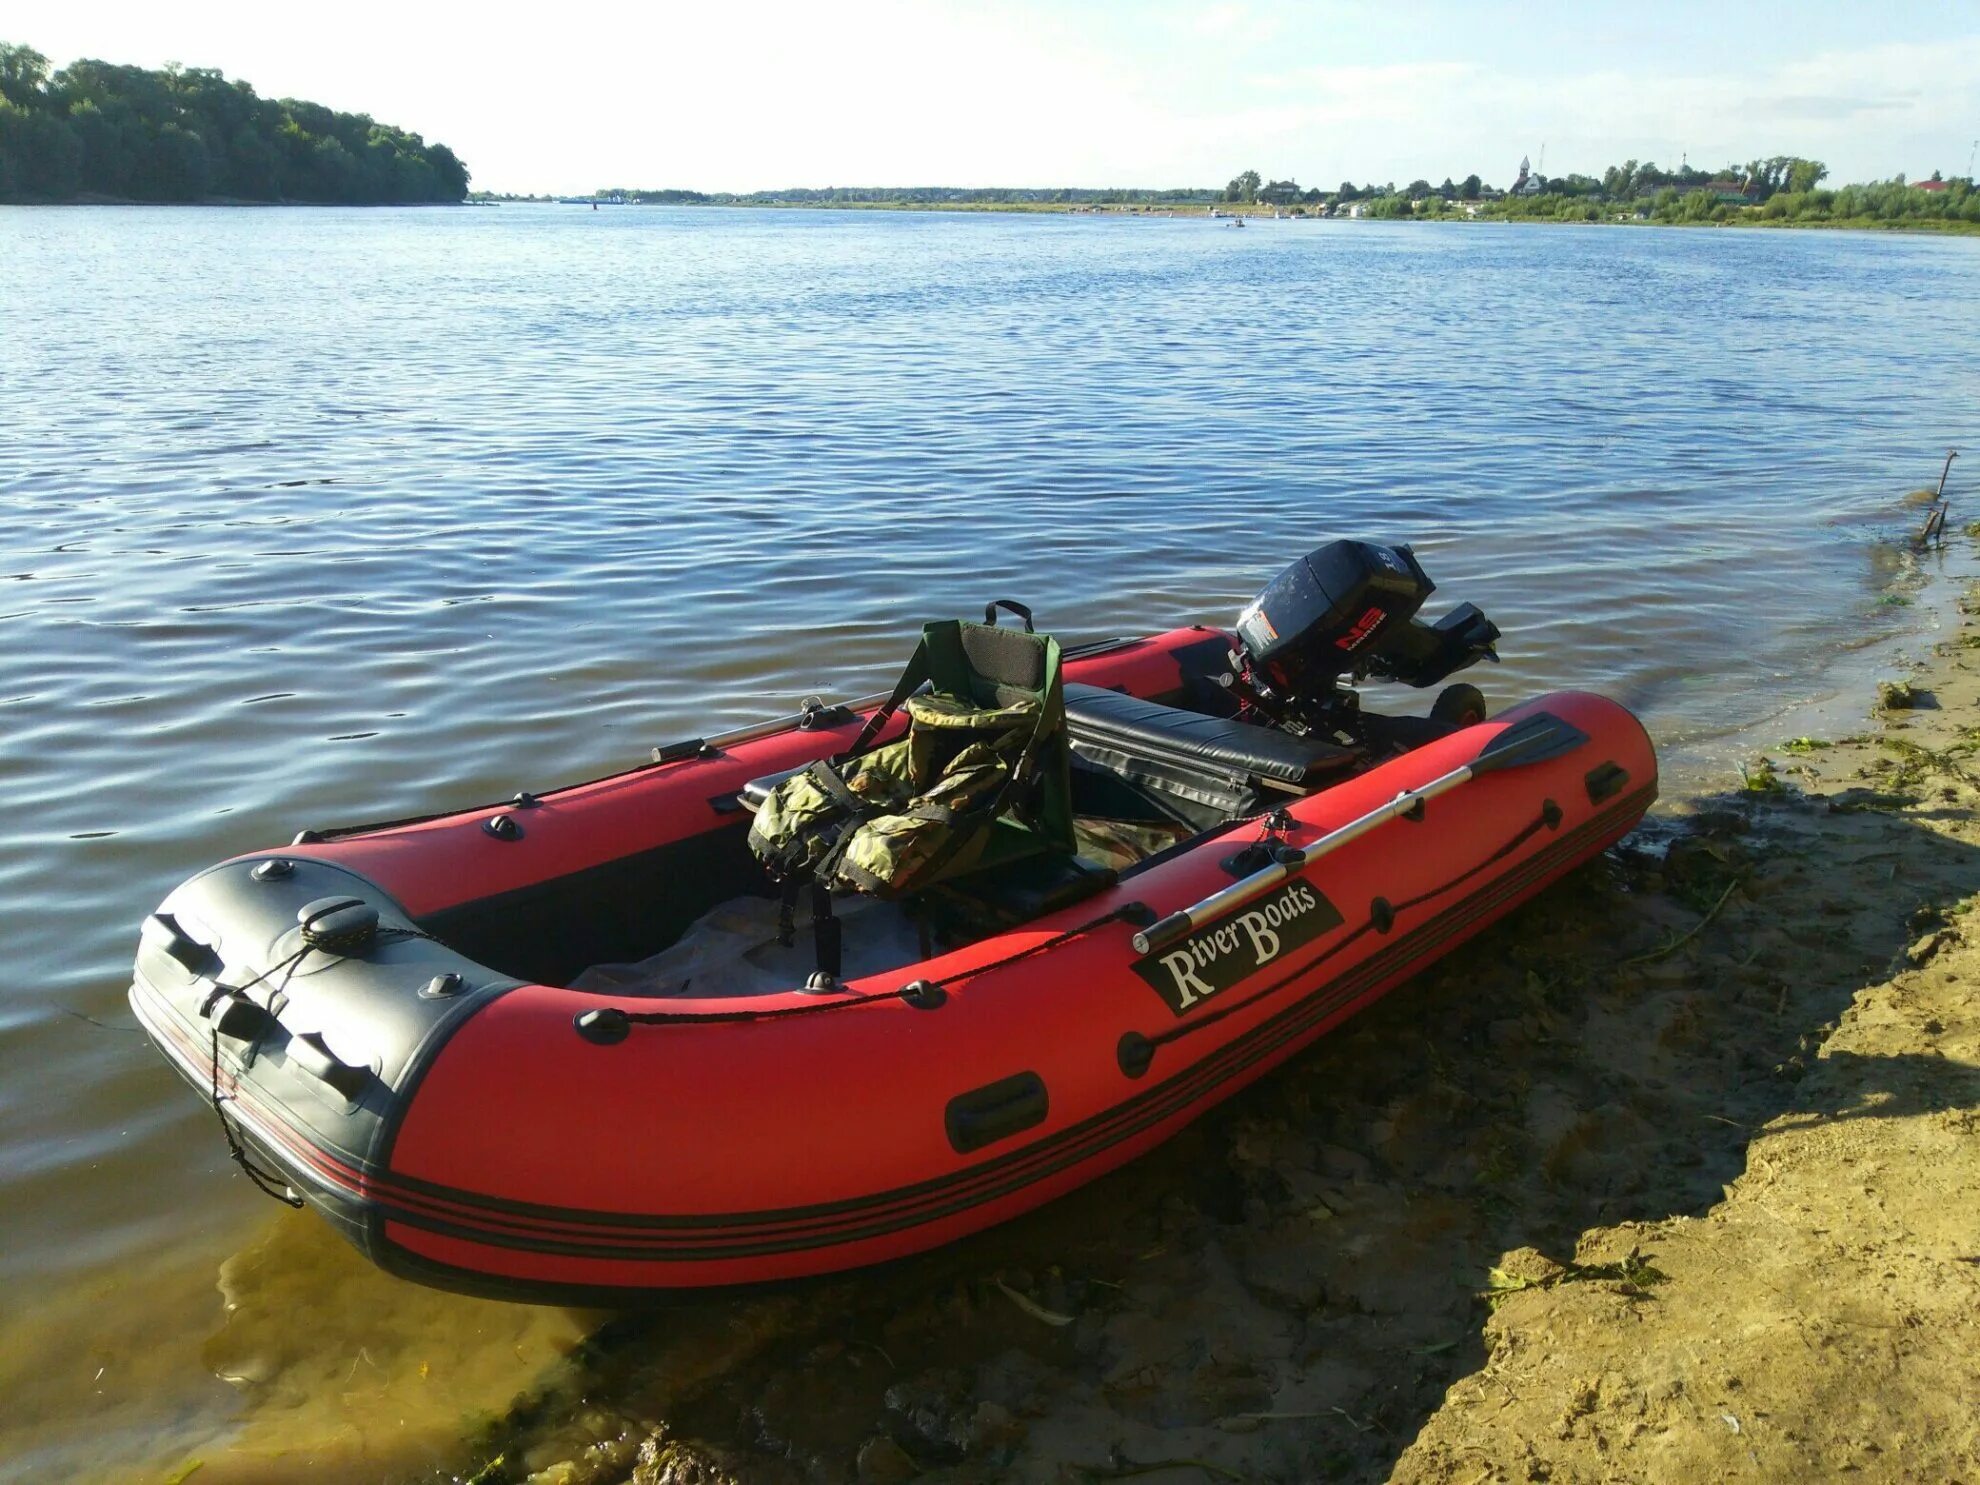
1218 20
1397 122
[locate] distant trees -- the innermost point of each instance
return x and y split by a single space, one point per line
1575 185
185 134
1762 178
1781 189
646 197
1243 188
1890 202
22 72
1632 189
1696 206
913 196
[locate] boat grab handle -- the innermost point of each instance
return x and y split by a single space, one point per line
1011 604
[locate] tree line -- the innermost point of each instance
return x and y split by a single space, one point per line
1800 201
915 196
188 134
1617 183
1781 189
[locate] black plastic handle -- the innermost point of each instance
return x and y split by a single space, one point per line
162 932
309 1053
996 1112
990 612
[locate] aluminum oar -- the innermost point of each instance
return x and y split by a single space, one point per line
1533 739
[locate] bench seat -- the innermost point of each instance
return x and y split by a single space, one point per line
1107 723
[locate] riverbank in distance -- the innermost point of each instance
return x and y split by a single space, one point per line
1228 212
1783 190
1224 213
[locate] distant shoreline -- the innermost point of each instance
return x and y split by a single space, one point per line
1924 227
1928 227
240 201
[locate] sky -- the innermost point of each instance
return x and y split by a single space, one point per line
760 94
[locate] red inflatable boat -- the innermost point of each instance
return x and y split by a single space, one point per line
463 1039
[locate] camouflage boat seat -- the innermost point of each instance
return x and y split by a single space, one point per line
981 779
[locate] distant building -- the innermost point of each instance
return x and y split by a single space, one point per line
1732 192
1928 185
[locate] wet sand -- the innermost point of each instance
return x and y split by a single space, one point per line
1670 1176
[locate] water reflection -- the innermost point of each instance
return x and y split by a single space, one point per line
294 1360
341 1368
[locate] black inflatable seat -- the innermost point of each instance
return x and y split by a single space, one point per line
1215 761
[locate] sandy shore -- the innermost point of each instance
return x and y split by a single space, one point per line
1671 1176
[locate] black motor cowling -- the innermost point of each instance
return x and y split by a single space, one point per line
1348 611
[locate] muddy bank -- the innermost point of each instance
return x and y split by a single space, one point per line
1823 1318
1671 1175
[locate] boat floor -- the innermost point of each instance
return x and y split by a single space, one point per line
732 949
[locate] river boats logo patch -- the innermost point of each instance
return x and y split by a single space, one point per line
1214 958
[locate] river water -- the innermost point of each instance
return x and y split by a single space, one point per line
311 516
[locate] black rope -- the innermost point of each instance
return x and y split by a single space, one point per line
1549 817
675 1018
671 1018
1126 909
264 1181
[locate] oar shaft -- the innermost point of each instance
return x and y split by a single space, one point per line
1178 924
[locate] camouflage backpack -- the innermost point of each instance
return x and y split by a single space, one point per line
979 775
877 825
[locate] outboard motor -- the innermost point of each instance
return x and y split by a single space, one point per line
1341 614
